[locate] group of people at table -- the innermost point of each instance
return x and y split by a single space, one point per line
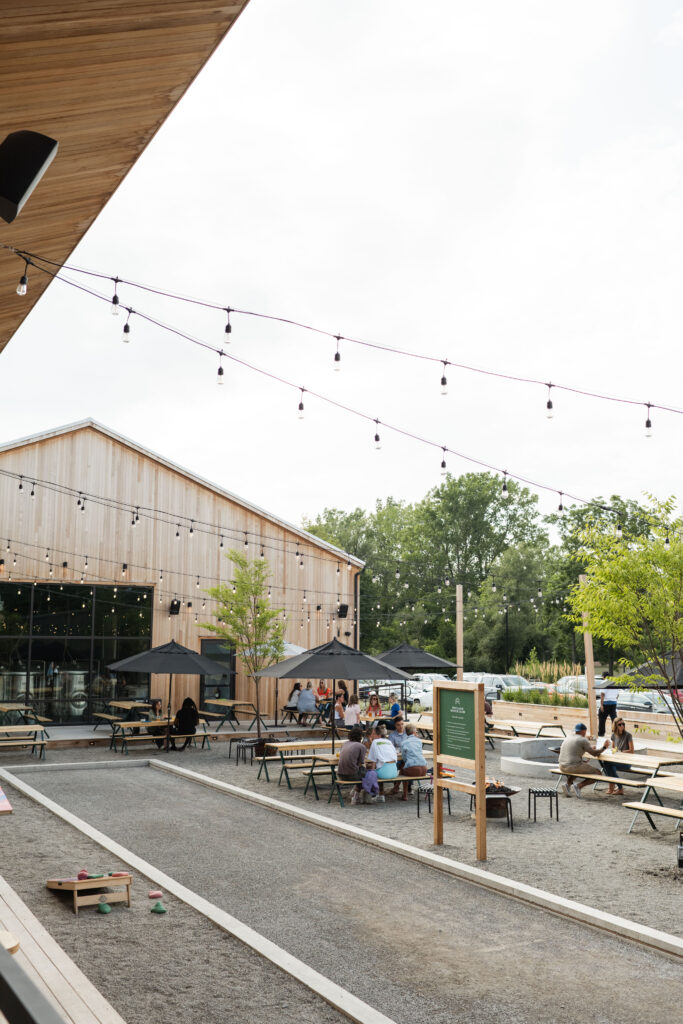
387 742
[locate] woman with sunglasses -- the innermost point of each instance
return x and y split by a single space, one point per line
622 743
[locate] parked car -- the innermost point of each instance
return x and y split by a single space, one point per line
631 700
575 684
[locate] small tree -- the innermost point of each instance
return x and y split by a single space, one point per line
634 599
246 621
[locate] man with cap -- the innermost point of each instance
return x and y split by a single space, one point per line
571 759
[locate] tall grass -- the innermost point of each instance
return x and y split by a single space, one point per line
545 671
564 700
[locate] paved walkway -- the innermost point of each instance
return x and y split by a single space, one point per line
419 946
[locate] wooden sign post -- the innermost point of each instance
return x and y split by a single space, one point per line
459 743
590 672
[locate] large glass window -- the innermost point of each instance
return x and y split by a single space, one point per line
221 686
56 640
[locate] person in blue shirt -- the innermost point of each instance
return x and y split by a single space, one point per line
414 763
395 709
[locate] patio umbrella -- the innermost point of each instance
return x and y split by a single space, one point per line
334 661
174 659
413 659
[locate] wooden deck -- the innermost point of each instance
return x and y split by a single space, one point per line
46 963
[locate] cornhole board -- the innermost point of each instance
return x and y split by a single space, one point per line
82 889
5 805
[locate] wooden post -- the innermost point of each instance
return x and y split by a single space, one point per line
590 671
436 789
459 641
480 773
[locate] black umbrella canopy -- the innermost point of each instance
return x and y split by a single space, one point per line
413 659
172 658
333 660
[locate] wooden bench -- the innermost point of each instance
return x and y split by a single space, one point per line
48 967
111 719
648 809
148 737
338 784
23 736
631 783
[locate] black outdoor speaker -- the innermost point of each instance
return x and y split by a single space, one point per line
174 608
24 158
343 611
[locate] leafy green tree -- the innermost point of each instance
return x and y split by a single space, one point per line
246 621
634 598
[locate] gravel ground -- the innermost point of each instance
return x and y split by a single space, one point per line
150 967
415 943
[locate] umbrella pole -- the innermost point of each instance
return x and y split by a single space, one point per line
334 701
168 713
275 715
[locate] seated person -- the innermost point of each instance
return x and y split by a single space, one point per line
293 699
156 711
352 711
413 759
383 757
571 759
351 767
306 704
339 710
622 742
374 708
322 691
398 735
186 722
394 706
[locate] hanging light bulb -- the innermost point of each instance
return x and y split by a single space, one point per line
493 586
301 404
648 421
246 541
228 326
124 569
304 597
269 593
666 541
86 562
378 443
444 382
132 521
263 554
125 337
221 543
443 463
220 375
348 565
47 555
197 583
619 532
78 503
549 411
33 490
177 531
398 573
560 507
337 355
21 483
83 506
301 562
540 591
137 515
22 287
338 568
505 494
191 527
115 298
50 570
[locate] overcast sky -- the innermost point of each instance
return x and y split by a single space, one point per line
494 183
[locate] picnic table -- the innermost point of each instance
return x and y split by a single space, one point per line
521 727
653 762
128 705
26 711
127 731
28 735
236 707
668 785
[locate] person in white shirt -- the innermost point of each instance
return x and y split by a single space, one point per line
352 711
383 756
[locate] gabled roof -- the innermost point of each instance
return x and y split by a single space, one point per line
100 77
90 424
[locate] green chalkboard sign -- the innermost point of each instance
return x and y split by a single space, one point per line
456 723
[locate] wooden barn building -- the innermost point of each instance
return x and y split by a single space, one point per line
107 549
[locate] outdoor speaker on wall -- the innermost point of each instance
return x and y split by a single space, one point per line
174 608
343 611
24 158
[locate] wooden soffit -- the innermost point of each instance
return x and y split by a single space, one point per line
100 76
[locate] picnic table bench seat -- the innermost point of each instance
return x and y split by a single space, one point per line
619 781
649 809
28 742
